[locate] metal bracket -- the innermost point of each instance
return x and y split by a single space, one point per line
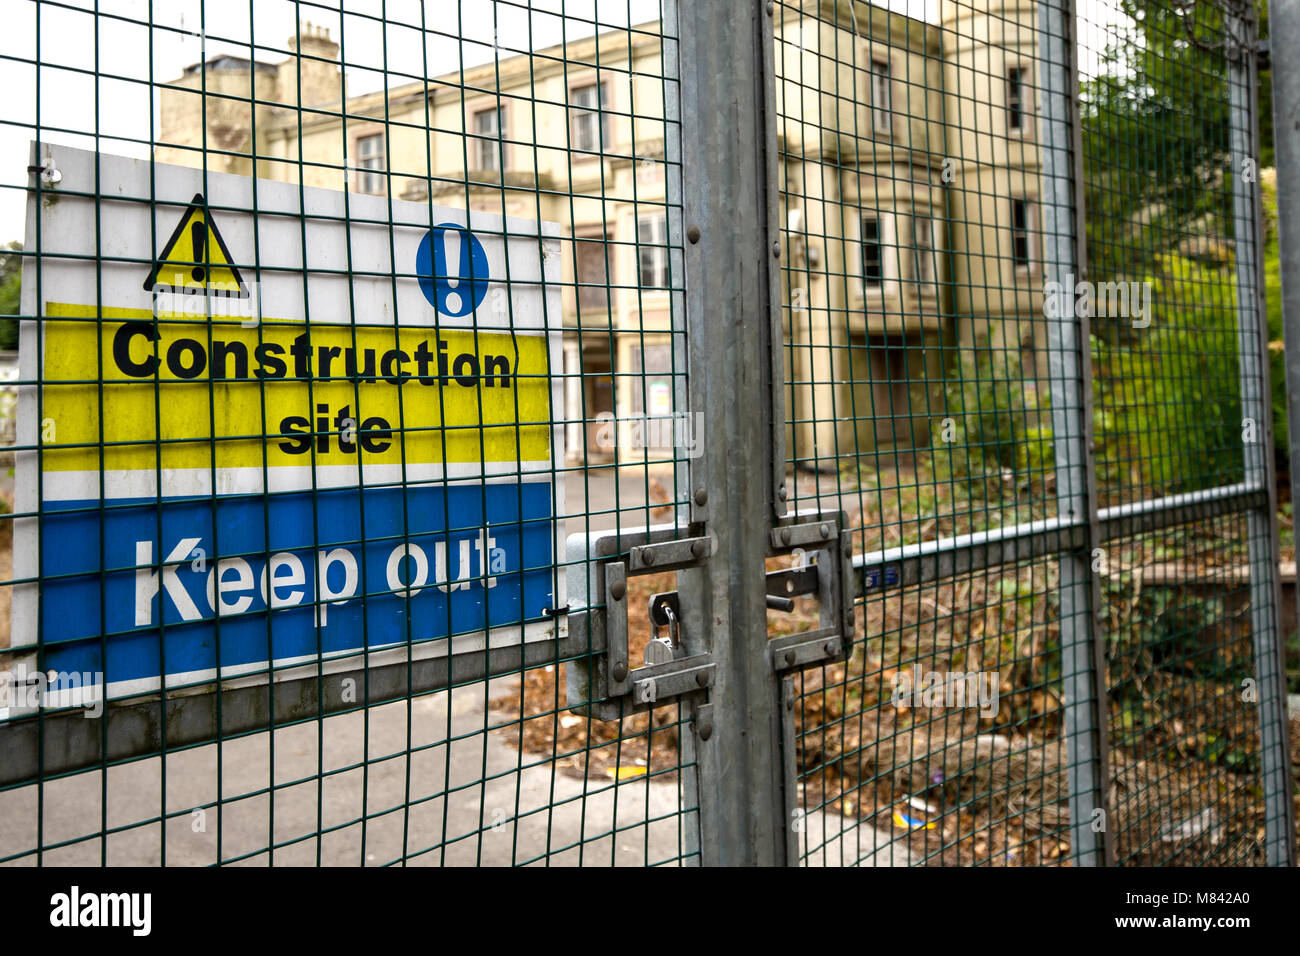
603 683
826 570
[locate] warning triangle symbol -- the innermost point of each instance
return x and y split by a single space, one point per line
195 259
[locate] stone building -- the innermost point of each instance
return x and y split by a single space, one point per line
907 170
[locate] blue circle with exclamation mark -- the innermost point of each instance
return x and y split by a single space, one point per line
453 269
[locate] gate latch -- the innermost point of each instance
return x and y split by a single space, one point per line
607 683
824 567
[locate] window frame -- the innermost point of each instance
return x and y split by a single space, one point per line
876 283
599 113
1028 265
493 144
656 247
367 175
926 284
1016 91
882 80
598 240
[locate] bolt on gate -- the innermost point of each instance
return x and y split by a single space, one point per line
802 432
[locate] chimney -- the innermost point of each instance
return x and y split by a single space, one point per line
316 61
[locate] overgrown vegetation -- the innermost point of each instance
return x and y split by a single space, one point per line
11 273
1168 403
1159 180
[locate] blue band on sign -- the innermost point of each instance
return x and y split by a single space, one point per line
427 564
458 288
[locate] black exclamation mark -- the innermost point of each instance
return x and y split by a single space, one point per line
199 239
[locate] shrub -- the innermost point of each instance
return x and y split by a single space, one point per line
1168 404
990 425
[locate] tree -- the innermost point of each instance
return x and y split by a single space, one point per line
1157 135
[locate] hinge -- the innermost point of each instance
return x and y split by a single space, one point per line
606 683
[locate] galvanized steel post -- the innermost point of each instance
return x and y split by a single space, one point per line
731 265
1284 21
1064 249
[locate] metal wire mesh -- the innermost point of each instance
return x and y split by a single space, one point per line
934 295
1024 356
375 121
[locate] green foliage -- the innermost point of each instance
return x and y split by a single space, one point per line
1159 178
1035 454
11 273
1156 136
992 430
1169 406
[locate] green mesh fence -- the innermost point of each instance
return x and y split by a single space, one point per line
966 363
363 371
346 403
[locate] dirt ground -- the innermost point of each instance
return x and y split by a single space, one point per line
955 788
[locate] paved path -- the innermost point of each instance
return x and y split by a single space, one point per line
524 812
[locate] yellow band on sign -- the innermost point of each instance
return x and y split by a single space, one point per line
296 394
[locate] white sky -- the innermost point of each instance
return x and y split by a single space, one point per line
417 38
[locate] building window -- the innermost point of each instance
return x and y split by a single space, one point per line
590 131
881 107
923 250
592 274
652 382
370 164
652 251
1021 237
488 130
873 260
1015 98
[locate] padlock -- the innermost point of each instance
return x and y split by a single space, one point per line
658 650
674 626
661 650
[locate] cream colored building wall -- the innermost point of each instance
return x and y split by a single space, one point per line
839 168
946 104
229 118
994 164
823 58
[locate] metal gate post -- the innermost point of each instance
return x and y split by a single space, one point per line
1265 588
1069 361
731 231
1284 20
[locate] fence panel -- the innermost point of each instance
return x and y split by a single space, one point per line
1024 353
1196 690
354 330
375 502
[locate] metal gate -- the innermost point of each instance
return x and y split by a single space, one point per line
798 432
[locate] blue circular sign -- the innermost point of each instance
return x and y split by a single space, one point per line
456 283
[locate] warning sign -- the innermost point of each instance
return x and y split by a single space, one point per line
195 258
296 436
